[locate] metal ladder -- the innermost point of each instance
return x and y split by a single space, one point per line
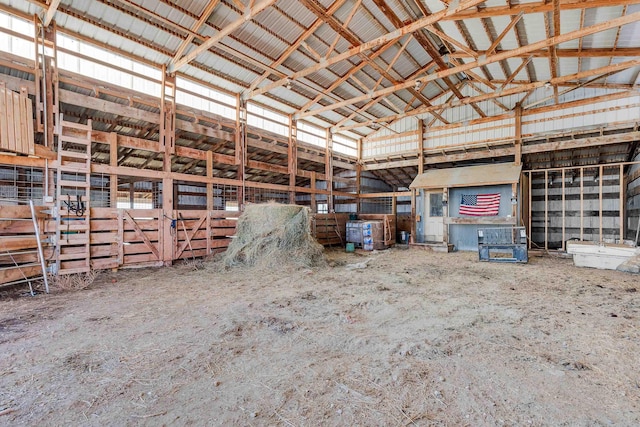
73 189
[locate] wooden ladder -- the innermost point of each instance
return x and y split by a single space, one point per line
73 190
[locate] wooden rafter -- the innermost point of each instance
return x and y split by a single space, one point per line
443 36
344 78
354 41
513 75
364 47
563 53
204 16
50 12
295 45
528 87
426 44
596 28
504 32
212 41
538 7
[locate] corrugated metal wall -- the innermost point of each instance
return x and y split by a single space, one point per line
465 237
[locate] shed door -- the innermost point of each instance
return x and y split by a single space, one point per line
434 220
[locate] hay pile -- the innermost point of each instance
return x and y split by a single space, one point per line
273 235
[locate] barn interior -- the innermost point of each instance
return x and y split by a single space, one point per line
135 133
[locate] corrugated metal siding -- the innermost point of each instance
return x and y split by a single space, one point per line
465 237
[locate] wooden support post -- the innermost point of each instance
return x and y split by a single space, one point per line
581 203
623 192
132 195
530 209
514 194
600 179
546 209
292 157
120 239
563 211
168 245
37 73
314 206
413 216
167 145
168 116
328 170
518 133
209 185
445 214
240 148
358 174
420 146
113 162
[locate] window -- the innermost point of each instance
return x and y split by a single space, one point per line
323 208
435 204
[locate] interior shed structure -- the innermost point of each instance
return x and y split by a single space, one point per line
141 128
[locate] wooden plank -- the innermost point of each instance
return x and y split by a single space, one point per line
530 211
120 236
16 274
563 211
189 236
222 232
24 127
4 131
17 143
141 234
622 209
128 237
30 133
11 135
581 203
546 209
600 180
17 243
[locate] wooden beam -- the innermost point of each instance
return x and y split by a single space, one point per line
50 12
561 53
209 184
538 7
328 169
563 210
364 47
546 210
294 46
113 178
292 158
504 32
212 41
596 28
204 16
622 209
528 87
390 165
581 203
420 146
518 134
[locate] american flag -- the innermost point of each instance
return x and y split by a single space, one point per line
480 204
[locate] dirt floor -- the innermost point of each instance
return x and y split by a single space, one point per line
414 338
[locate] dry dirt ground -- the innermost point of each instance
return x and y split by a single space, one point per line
415 338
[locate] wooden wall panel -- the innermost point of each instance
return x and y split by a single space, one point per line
16 122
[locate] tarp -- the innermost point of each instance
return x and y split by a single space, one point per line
469 176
